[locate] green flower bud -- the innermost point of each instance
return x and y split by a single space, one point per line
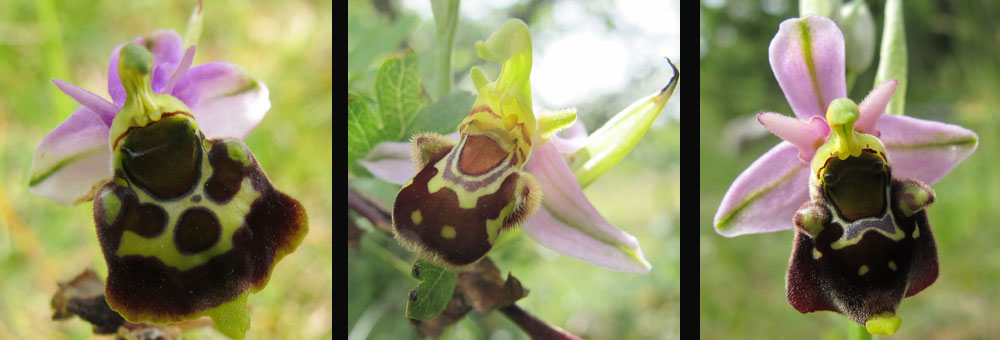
856 22
823 8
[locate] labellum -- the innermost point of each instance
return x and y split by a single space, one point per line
189 226
862 242
466 193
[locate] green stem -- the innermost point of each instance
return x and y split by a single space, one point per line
372 247
446 20
857 332
851 77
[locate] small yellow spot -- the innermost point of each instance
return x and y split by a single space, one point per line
448 232
416 217
892 265
862 270
916 232
817 254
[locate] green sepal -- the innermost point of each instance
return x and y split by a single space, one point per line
433 293
612 141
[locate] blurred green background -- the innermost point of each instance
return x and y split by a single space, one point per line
639 195
286 44
953 77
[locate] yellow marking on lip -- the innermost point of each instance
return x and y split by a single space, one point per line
863 270
448 232
416 217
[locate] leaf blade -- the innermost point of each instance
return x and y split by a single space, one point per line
362 132
399 93
432 294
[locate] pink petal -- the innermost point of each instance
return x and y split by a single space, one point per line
569 224
391 162
922 149
765 196
224 98
181 70
873 106
167 48
807 136
571 139
809 90
115 87
73 161
105 110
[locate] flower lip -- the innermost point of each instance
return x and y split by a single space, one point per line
114 145
856 186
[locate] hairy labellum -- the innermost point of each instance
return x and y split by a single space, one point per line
189 226
466 193
863 242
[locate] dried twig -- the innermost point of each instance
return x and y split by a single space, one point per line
382 220
536 328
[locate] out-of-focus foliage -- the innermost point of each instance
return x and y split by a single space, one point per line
640 195
954 77
285 44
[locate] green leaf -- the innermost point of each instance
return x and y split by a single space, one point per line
892 55
400 95
433 293
375 38
362 132
444 116
612 141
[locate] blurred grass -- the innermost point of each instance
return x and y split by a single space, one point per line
640 195
953 78
287 45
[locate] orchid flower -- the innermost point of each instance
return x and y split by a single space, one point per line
74 160
508 168
850 182
188 221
